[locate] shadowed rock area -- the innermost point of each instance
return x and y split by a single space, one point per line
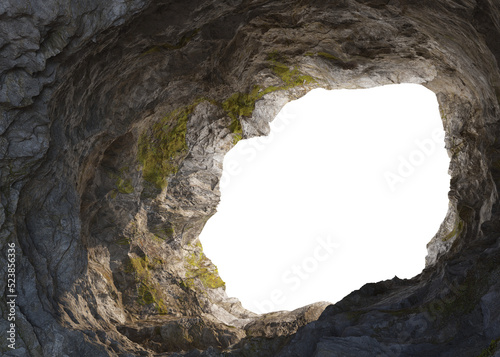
116 116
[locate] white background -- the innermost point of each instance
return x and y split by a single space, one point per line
348 189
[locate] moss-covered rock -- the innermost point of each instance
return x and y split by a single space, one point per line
491 349
199 267
240 105
148 291
163 146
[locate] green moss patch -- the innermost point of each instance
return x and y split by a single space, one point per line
457 229
333 59
327 56
122 185
291 76
148 292
240 105
123 241
200 267
243 104
162 147
491 349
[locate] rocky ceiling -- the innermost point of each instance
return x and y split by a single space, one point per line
115 118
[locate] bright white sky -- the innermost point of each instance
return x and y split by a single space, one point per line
348 189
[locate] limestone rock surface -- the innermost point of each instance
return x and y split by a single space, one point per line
115 117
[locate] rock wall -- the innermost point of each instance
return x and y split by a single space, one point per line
115 121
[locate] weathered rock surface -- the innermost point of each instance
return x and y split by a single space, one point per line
116 116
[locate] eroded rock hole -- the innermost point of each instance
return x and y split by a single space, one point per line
348 188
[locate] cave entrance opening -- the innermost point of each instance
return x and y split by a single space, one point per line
347 189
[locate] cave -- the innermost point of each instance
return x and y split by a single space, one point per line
116 118
288 197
